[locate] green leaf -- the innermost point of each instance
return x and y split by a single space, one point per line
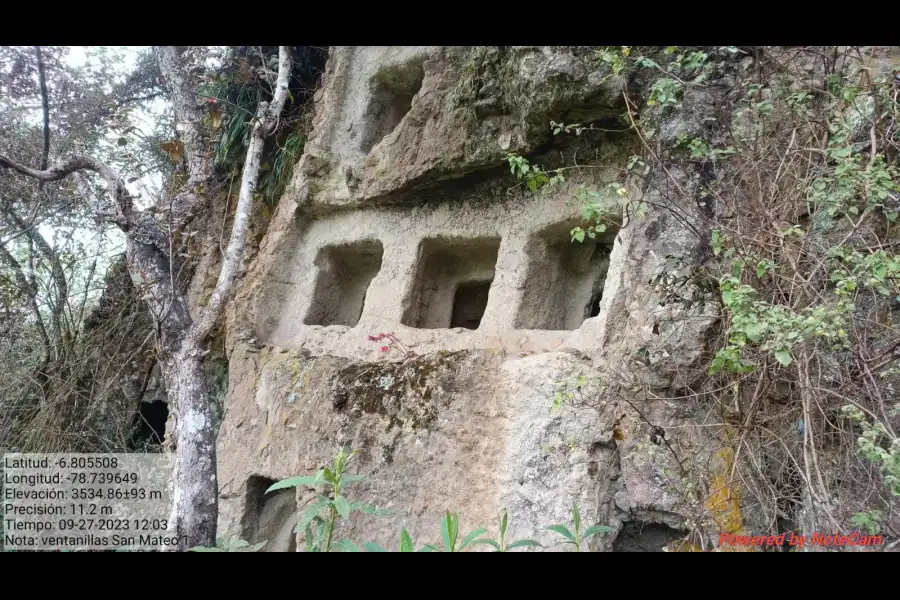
783 356
578 235
727 297
576 517
598 529
307 534
352 478
328 475
469 538
563 531
487 542
754 331
446 527
369 509
295 481
524 544
311 512
406 543
342 506
374 547
348 546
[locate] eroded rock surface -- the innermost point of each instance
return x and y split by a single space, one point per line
403 219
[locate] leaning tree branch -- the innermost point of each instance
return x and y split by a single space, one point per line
124 218
122 200
267 117
45 104
195 503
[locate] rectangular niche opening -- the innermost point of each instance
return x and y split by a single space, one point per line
564 279
469 303
391 92
270 517
453 281
345 272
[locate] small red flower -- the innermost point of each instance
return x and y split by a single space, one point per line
372 338
385 348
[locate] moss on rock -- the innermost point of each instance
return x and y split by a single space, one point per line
408 394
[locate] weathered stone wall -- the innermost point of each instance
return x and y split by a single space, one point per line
403 219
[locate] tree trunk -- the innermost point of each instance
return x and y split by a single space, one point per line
180 338
195 506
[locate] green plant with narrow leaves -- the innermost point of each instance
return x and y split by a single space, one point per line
500 545
450 536
319 518
577 537
406 545
285 157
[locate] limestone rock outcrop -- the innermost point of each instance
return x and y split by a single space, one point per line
403 219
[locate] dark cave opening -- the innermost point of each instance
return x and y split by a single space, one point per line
469 304
151 425
593 306
638 536
452 283
564 280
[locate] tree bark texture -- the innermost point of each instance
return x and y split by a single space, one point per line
181 339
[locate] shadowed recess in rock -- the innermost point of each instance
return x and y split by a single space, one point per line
638 536
151 426
469 303
564 281
392 92
270 517
453 280
345 273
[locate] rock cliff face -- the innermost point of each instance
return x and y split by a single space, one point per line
403 219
